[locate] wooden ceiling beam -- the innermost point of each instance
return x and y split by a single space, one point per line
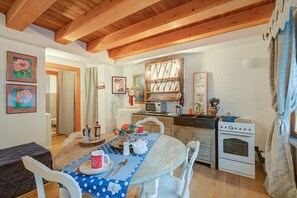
101 16
191 12
24 12
171 19
240 20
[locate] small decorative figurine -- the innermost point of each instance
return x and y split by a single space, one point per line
87 134
97 128
131 95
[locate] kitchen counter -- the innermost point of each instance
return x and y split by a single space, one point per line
157 114
187 128
201 121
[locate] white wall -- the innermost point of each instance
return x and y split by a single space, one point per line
24 127
129 71
112 101
242 91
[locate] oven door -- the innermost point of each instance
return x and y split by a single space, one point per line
236 146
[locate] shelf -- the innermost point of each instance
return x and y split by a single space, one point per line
163 79
157 92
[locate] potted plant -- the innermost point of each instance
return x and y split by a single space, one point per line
213 106
124 133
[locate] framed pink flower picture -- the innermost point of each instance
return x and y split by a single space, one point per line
21 67
20 98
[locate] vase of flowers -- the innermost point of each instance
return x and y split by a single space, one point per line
126 131
213 106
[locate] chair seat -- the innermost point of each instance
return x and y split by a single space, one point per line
169 186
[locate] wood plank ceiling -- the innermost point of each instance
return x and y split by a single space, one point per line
127 27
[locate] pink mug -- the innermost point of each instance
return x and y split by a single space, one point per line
139 129
97 159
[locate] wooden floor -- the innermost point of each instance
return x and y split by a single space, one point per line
205 183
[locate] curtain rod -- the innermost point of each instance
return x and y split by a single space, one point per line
278 19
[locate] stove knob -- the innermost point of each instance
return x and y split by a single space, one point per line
225 127
244 129
230 127
239 128
249 129
235 128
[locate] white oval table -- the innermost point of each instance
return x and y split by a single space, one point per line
167 154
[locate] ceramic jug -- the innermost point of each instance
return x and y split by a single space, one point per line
139 146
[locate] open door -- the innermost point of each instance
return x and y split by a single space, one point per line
52 98
77 111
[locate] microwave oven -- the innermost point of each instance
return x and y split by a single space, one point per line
155 106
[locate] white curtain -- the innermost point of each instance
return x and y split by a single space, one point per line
66 110
280 180
91 96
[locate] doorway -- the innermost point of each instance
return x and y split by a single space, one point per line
54 73
52 98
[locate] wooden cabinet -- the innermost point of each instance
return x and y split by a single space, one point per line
153 127
207 137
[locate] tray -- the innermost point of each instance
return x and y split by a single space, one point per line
93 142
116 145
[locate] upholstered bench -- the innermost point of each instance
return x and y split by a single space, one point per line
15 179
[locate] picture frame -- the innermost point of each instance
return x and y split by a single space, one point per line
200 91
139 86
21 98
119 85
21 67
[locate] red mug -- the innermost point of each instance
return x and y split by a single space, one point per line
139 129
97 159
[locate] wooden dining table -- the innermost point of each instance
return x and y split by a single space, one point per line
166 155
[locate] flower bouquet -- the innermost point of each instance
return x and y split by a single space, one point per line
126 131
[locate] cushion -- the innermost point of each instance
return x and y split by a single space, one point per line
15 179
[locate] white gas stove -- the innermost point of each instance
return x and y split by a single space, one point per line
236 146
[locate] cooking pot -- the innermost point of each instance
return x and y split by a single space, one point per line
229 118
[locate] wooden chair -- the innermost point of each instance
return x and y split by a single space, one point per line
152 119
71 137
171 186
41 171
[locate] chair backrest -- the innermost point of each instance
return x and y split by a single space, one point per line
187 171
152 119
41 171
71 137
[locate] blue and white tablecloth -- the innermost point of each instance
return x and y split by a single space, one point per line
116 185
